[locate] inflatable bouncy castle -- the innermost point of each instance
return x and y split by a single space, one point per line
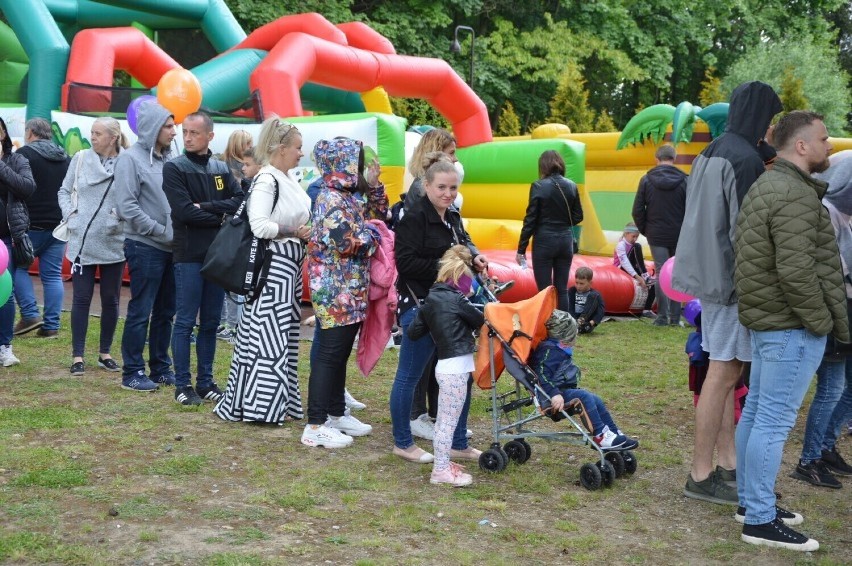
59 59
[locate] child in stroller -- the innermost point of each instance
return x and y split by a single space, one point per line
553 362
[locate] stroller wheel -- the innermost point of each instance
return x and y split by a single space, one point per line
493 460
617 462
517 452
607 473
630 462
590 477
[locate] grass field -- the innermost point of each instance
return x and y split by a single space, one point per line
93 474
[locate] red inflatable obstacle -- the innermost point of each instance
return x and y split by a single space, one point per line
617 288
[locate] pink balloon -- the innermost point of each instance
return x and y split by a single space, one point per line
4 258
665 280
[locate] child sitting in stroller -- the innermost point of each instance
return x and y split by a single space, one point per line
553 362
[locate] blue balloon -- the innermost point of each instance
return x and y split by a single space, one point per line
691 310
133 110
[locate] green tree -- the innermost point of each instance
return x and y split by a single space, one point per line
508 123
570 104
824 84
418 112
604 123
711 88
791 92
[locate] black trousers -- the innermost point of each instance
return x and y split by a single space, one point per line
328 372
552 254
83 286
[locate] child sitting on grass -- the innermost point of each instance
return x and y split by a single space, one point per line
450 318
553 362
584 303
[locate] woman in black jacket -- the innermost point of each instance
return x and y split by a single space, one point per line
554 209
16 185
427 230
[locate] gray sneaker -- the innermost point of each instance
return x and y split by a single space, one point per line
727 476
712 490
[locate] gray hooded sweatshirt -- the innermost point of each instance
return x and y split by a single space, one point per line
140 200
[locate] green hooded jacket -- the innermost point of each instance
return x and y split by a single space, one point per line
787 265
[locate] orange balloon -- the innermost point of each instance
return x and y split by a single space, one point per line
179 92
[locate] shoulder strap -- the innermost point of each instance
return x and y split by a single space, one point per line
570 215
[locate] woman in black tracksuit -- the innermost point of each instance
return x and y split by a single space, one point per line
554 209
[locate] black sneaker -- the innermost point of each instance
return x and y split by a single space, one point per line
167 378
78 368
212 393
712 490
816 473
187 396
108 364
835 463
727 476
776 534
790 519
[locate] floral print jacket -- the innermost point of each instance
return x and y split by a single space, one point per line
339 249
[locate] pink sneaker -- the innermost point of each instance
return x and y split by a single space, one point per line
453 475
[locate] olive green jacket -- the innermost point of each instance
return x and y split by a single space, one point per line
788 271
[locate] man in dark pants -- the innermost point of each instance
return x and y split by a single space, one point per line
49 163
201 190
148 249
658 213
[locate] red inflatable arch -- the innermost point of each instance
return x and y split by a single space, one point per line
362 36
299 58
267 36
124 48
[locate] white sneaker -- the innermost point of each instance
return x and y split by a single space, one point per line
322 435
7 358
423 427
352 403
349 424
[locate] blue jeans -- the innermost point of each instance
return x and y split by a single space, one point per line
196 297
49 252
152 296
413 357
7 311
595 408
842 412
783 364
831 377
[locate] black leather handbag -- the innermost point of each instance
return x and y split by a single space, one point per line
237 260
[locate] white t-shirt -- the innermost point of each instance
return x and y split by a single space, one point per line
457 365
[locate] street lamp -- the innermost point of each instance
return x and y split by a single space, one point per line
456 48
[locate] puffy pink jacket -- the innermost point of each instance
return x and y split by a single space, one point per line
381 306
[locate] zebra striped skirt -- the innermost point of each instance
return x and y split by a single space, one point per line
263 384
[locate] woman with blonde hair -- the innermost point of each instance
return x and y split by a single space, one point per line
95 239
449 317
238 142
435 140
263 384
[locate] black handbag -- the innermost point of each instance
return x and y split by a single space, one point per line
23 254
237 260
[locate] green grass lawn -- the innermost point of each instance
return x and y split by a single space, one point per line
93 474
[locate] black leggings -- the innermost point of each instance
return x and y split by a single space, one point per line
84 287
552 254
327 381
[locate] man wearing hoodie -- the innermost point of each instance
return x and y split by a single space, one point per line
721 175
658 213
49 163
201 190
142 204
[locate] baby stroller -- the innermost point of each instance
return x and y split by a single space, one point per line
510 333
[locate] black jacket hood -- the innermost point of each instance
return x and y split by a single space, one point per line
752 106
665 177
48 149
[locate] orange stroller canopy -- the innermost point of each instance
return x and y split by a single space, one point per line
527 317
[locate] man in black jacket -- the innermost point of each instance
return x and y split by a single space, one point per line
49 163
658 213
201 190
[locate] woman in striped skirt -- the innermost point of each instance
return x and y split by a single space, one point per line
263 384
